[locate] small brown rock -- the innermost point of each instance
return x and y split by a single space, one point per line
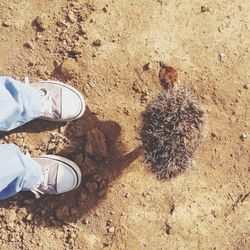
96 145
105 9
167 228
69 68
88 167
82 197
28 45
29 217
91 186
7 23
111 229
243 136
71 17
245 86
204 8
168 76
62 212
10 216
42 22
146 67
97 43
109 223
126 195
22 213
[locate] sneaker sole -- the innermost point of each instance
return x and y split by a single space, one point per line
74 90
70 164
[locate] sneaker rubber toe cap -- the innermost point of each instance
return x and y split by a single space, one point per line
66 179
73 105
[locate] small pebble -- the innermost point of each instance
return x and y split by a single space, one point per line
62 212
7 23
222 57
71 17
42 22
28 45
111 230
146 67
10 216
245 86
69 68
126 195
97 43
243 136
29 217
104 9
91 186
204 8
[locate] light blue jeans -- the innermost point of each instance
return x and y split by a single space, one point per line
19 104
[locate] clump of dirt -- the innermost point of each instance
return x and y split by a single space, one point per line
168 76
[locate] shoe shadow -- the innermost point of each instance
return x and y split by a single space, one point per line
35 126
97 174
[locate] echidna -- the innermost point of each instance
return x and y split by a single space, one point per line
171 132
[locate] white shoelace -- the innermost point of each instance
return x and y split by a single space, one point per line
47 101
26 80
44 182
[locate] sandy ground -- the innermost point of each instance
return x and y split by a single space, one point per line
103 46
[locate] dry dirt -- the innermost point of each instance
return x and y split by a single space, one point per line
103 46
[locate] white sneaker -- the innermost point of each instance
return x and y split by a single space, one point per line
59 175
60 102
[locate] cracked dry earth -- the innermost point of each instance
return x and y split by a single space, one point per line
101 47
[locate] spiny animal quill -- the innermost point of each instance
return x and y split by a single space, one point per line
171 132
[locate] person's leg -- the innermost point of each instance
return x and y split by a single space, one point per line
19 103
18 171
49 100
47 174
